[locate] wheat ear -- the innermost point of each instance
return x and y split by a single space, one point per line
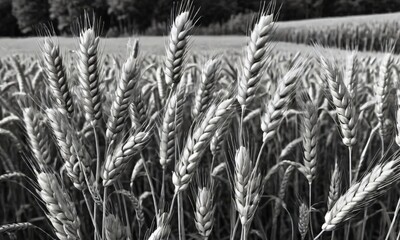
61 211
247 187
197 143
219 136
56 75
204 214
115 230
176 48
350 75
334 187
76 156
282 193
341 98
382 88
123 96
304 220
12 227
161 85
116 162
310 139
163 230
290 147
89 74
206 86
275 108
10 175
254 59
397 138
171 124
138 109
38 142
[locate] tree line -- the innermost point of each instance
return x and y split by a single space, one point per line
20 17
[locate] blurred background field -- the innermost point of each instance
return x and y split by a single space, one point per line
364 32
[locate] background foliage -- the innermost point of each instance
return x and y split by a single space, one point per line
124 17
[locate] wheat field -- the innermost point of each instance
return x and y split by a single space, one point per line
262 141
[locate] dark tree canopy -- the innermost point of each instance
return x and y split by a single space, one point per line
30 13
138 16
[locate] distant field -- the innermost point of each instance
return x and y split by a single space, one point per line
148 45
155 45
151 45
331 21
118 45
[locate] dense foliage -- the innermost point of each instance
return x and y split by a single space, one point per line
137 16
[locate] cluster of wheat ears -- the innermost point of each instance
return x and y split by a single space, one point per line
192 150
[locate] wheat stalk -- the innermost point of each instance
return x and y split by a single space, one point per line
397 137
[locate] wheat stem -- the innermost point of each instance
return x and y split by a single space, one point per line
396 212
310 208
98 166
152 189
181 218
364 152
104 225
350 165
